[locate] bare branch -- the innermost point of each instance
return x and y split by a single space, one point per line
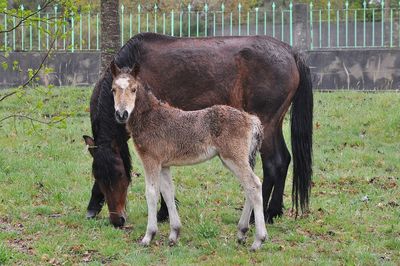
27 17
34 73
34 119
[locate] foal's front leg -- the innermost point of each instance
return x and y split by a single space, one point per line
152 178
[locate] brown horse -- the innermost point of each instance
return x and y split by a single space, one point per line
258 74
165 136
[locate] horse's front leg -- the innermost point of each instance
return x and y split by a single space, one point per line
152 178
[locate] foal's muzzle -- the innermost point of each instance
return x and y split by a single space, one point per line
121 116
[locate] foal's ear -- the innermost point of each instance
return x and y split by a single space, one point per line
135 70
115 71
89 144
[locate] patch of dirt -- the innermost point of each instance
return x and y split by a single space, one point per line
384 182
21 243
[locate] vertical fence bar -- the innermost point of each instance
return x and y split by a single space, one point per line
347 23
329 24
222 19
205 19
89 27
248 22
180 24
72 33
172 22
189 8
311 27
97 32
122 25
230 23
163 20
47 31
391 27
355 28
138 18
265 22
256 20
364 22
213 23
373 27
383 23
291 23
55 28
38 28
80 31
282 26
22 29
337 28
197 24
273 19
30 37
320 28
239 19
13 33
5 27
64 34
155 18
130 24
147 21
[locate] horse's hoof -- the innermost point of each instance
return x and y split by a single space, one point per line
172 242
271 214
91 214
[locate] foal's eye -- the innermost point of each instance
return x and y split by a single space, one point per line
133 89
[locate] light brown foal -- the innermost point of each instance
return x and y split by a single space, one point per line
165 136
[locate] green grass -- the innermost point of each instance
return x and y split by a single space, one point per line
45 182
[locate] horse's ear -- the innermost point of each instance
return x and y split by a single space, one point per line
135 70
115 71
89 144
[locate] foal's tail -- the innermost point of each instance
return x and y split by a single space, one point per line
301 136
256 140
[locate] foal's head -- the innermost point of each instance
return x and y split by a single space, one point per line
124 87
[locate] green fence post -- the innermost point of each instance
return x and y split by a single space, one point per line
391 27
22 29
364 22
373 27
97 32
147 21
89 28
239 18
311 27
80 31
347 23
213 23
205 19
248 22
122 24
329 23
30 36
273 19
55 28
72 32
230 24
337 29
47 31
138 17
172 22
282 26
130 24
163 20
38 26
320 28
256 20
355 27
291 23
189 8
13 32
64 34
383 23
197 24
180 23
265 22
222 19
5 27
155 17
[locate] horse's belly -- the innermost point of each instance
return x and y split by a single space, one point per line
191 158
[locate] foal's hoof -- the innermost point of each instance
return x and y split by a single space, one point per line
172 242
145 242
91 214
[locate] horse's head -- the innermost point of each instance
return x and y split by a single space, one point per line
113 183
124 87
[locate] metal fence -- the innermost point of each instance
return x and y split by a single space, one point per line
328 27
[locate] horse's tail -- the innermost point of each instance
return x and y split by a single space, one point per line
256 140
301 137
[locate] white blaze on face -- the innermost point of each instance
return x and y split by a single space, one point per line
123 83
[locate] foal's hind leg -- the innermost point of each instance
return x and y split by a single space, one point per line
243 225
252 187
168 192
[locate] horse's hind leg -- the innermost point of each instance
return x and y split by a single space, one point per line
168 192
275 160
252 187
152 178
243 225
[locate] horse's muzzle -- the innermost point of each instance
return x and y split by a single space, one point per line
117 220
121 116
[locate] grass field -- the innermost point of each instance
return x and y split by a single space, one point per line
45 181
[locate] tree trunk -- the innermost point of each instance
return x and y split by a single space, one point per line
110 31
